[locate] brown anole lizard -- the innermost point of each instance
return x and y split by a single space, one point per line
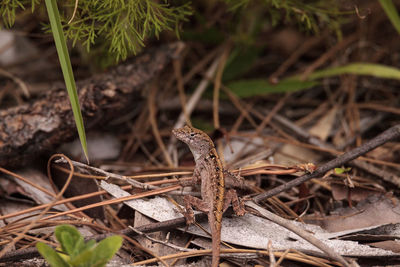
209 171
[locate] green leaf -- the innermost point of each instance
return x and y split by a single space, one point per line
255 87
67 243
83 253
377 70
339 170
79 246
90 244
84 258
51 256
391 12
66 68
68 236
342 170
105 250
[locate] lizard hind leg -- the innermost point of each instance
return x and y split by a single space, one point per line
195 202
237 204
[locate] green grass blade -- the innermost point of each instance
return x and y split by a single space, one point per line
377 70
391 12
65 63
255 87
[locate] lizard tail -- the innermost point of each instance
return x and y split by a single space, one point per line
216 248
215 254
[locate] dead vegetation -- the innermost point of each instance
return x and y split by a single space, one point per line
321 165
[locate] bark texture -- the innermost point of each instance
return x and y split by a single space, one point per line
40 126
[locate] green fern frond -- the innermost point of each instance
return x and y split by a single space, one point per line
123 25
119 27
310 15
8 9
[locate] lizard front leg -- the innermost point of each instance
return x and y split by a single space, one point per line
233 180
196 179
195 202
237 205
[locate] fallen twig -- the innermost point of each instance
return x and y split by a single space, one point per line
300 232
28 130
388 135
148 228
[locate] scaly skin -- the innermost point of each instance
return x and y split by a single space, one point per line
209 169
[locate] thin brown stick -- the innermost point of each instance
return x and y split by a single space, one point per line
103 97
266 120
33 223
238 122
148 228
308 44
195 97
112 175
118 200
21 84
152 106
203 252
181 90
329 54
313 142
65 200
217 86
239 105
17 176
388 135
300 232
73 13
202 64
378 107
137 244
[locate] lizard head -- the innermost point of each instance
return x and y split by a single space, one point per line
199 142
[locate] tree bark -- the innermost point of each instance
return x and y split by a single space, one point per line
40 126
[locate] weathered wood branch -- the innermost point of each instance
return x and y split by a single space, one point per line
28 130
390 134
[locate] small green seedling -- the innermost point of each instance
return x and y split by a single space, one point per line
75 252
348 182
342 170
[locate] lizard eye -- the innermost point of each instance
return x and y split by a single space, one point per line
192 134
